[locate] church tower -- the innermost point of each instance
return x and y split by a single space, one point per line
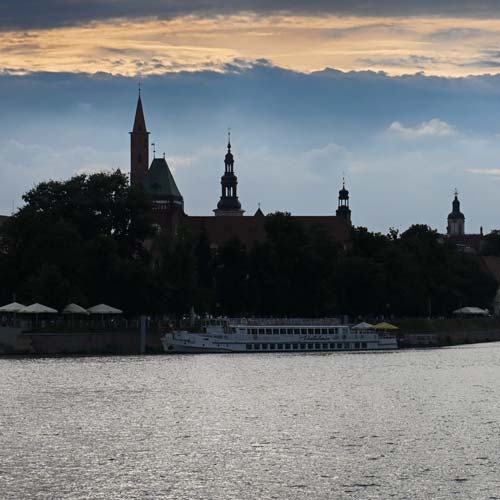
343 209
139 147
456 220
229 203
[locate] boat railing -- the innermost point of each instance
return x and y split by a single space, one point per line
284 321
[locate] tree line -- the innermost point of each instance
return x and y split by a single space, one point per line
82 241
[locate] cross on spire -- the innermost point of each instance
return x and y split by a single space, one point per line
229 138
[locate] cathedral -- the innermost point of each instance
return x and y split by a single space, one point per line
228 220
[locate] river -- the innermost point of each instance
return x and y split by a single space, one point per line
415 424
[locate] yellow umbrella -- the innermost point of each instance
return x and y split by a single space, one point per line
385 326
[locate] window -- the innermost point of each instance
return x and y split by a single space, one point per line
291 331
317 331
302 346
268 331
287 346
356 345
310 346
261 331
317 346
303 331
264 346
276 331
257 347
325 346
272 346
363 345
280 346
339 345
295 346
249 347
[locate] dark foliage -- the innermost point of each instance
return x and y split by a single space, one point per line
83 240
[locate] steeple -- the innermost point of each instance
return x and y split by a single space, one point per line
139 146
456 219
229 203
343 209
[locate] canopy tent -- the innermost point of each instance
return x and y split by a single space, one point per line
362 326
37 308
104 309
385 326
13 307
472 311
74 309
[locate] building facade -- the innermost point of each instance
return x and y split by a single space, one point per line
228 220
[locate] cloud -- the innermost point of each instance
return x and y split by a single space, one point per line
459 33
27 14
432 128
409 61
484 171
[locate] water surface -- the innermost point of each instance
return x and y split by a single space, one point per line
402 425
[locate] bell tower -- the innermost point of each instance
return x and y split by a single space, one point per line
229 203
139 146
456 219
343 209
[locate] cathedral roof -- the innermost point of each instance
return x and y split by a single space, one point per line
160 183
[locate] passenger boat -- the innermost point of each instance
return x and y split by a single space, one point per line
275 335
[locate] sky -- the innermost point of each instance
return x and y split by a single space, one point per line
401 99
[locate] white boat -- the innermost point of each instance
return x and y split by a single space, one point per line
273 335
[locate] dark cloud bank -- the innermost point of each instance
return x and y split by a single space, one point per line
293 135
28 14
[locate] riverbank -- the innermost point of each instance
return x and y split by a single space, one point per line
423 332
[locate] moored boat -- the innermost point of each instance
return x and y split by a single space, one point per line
275 335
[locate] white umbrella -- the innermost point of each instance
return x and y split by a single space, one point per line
472 310
37 308
13 307
362 326
74 309
104 309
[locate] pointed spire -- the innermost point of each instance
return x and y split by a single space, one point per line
139 121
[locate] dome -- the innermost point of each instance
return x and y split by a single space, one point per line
343 193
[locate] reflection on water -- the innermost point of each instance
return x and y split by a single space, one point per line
404 425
